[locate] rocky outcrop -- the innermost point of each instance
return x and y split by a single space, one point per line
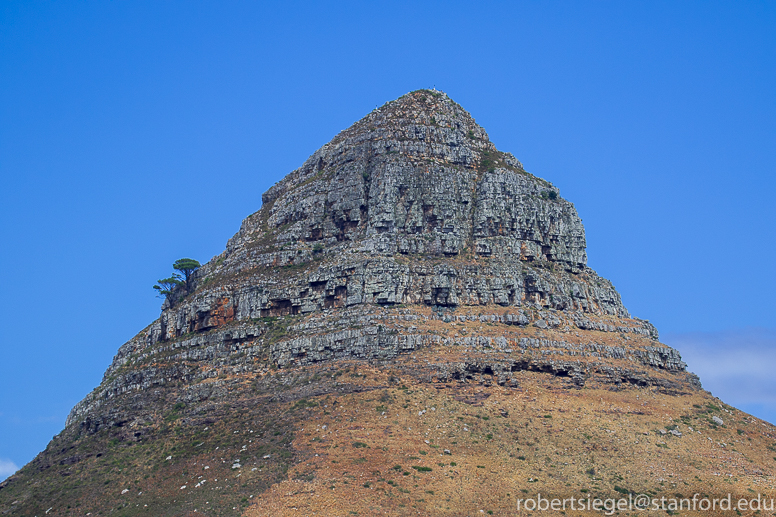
411 205
408 220
408 255
416 177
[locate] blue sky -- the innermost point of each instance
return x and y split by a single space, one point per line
135 133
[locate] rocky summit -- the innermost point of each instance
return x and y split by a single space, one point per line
407 326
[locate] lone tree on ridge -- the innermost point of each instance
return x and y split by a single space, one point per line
167 286
186 266
170 287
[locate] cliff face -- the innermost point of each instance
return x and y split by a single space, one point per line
409 245
412 206
417 176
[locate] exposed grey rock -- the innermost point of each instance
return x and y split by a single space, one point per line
411 206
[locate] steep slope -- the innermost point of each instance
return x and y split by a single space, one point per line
407 325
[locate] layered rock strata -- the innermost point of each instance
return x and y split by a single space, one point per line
408 244
409 217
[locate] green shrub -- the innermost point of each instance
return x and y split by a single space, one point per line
304 403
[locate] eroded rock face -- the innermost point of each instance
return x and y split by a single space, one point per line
417 176
413 207
408 246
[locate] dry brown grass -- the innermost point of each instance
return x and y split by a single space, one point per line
506 443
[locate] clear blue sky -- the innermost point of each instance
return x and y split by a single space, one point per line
135 133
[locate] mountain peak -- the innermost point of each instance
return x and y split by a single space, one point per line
416 176
424 125
409 289
423 115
